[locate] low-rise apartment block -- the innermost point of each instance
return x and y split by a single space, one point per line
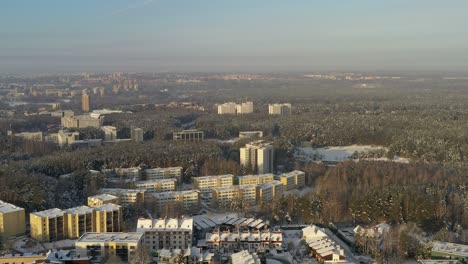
250 134
189 135
269 191
124 173
255 179
101 247
126 196
155 186
108 218
82 121
12 220
110 133
48 225
102 199
279 109
164 173
33 136
234 108
65 137
167 233
228 196
292 180
79 220
206 183
188 200
244 240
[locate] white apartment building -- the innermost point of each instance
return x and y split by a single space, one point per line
267 192
126 196
164 173
226 196
155 186
234 108
110 133
205 183
279 109
292 180
255 179
67 138
244 240
167 233
124 173
103 246
258 155
227 108
189 200
101 199
244 108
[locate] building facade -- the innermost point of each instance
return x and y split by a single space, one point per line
108 218
112 247
267 192
136 134
110 133
292 180
48 225
155 186
82 121
255 179
102 199
229 241
259 156
279 109
237 195
126 196
12 220
189 135
67 138
167 233
234 108
164 173
167 201
250 134
205 183
79 220
85 102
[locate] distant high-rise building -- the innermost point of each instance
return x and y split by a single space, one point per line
279 109
110 133
137 134
258 155
233 108
85 101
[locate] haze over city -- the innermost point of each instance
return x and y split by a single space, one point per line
262 36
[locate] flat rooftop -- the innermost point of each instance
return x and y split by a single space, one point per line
8 208
108 207
214 177
157 181
121 191
255 176
235 187
103 197
51 213
133 237
163 169
79 210
174 193
270 183
291 173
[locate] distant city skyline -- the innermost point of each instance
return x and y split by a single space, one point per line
258 36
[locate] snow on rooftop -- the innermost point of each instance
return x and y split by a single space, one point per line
110 237
103 197
79 210
8 208
108 207
51 213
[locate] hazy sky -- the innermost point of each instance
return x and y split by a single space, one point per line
233 35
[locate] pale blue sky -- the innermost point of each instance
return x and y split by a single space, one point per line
227 35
